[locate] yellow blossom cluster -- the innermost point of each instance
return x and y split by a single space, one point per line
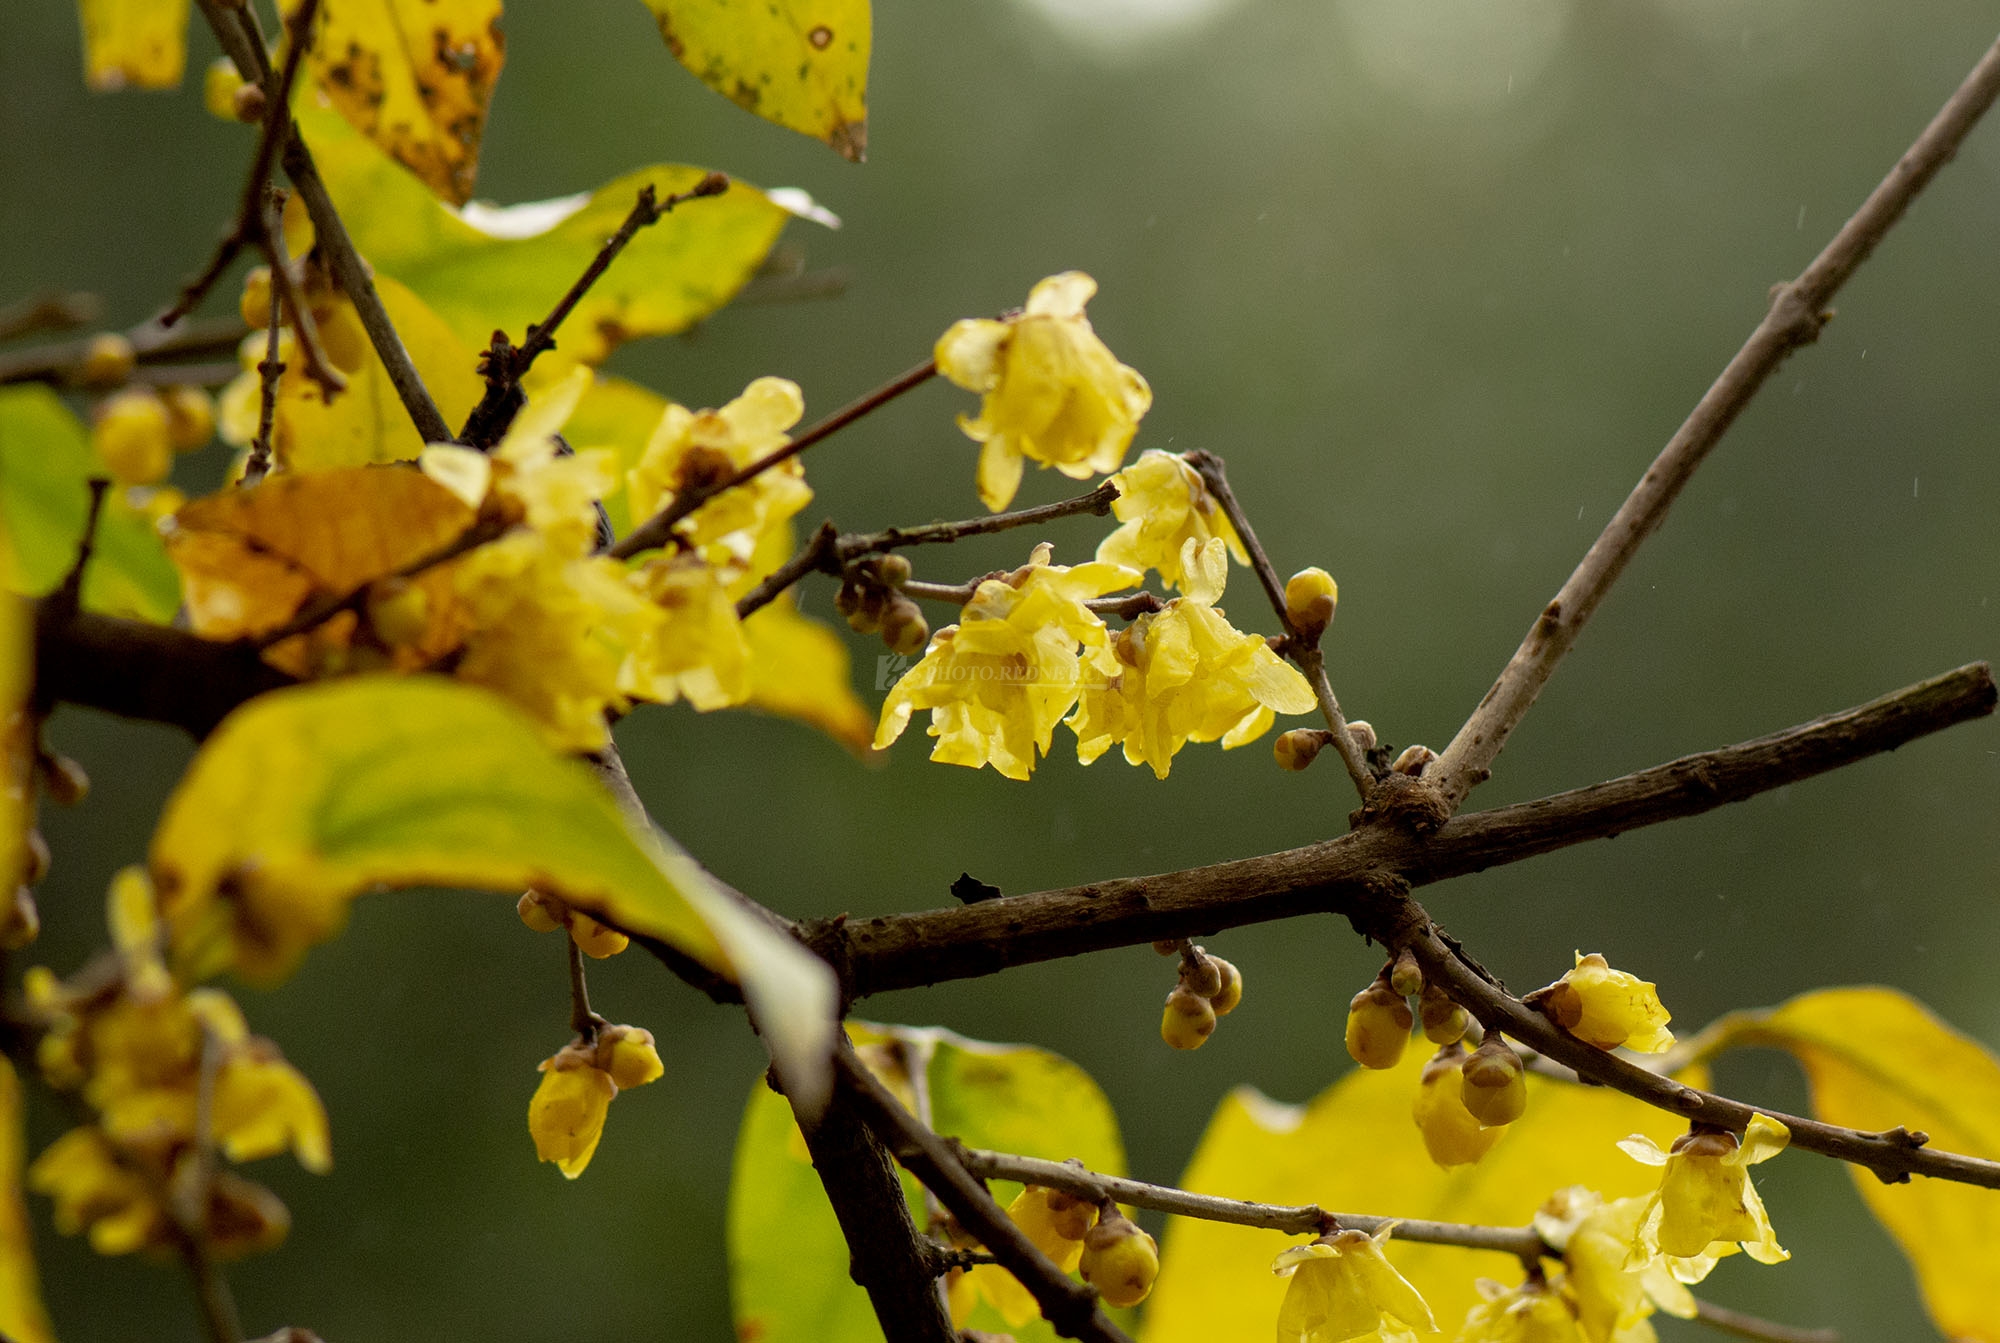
1343 1288
566 1115
1057 1224
166 1072
1163 504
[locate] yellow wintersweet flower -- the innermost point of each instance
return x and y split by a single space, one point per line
1164 504
690 449
1534 1312
698 650
1612 1299
999 681
1056 1223
566 1115
1705 1203
556 491
1185 674
1052 390
117 1193
1342 1288
1606 1007
1452 1135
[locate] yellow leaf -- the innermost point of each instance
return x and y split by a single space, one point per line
1355 1149
414 76
249 559
305 798
1876 1058
486 268
799 669
366 422
22 1318
800 63
133 44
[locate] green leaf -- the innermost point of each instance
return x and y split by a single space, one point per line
800 63
21 1315
46 463
1355 1149
305 798
502 269
1876 1058
414 76
788 1261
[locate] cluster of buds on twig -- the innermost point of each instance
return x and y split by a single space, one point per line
28 764
1208 987
871 597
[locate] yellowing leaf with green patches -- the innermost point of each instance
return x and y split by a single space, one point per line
22 1318
800 63
414 76
1876 1059
1355 1149
787 1260
486 268
133 44
45 464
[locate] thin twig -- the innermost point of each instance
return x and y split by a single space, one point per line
152 344
958 594
1522 1242
269 369
249 227
1750 1326
190 1206
505 365
581 1019
1796 313
657 530
829 551
321 610
54 311
1301 650
1894 1155
968 941
1069 1306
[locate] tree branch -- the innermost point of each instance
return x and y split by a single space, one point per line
1069 1306
1735 1322
1796 313
982 938
152 344
1309 1219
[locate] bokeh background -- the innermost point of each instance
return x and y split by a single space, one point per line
1438 277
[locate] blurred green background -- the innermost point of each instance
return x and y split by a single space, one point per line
1438 277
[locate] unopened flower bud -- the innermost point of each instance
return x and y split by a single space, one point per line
1188 1020
248 104
1168 946
133 436
1298 748
190 417
593 939
1225 999
1200 974
1070 1216
1413 759
219 84
1444 1020
629 1055
1495 1089
1452 1135
255 304
20 921
1120 1261
1310 599
893 569
1362 733
1405 977
1378 1026
107 361
904 628
35 863
543 913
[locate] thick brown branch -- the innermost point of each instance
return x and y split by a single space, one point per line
1069 1306
1309 1219
982 938
149 672
1796 313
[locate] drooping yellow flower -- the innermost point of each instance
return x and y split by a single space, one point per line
1534 1312
691 449
1606 1007
1612 1298
1705 1203
566 1114
1342 1288
1057 1224
117 1193
999 681
1451 1134
1164 504
1052 391
1185 674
